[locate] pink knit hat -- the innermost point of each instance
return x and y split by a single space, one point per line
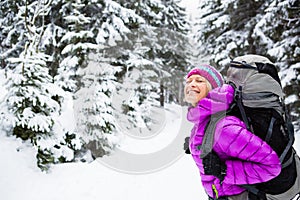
208 72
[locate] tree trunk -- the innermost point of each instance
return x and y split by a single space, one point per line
162 95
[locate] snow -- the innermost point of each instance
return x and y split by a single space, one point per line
288 74
290 99
21 179
158 139
191 7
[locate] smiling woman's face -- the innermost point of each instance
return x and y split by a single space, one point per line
196 88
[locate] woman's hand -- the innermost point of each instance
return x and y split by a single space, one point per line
186 145
213 165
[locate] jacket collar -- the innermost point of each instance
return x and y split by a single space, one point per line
218 99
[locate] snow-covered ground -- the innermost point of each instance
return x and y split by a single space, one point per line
20 179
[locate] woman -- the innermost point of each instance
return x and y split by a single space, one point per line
238 157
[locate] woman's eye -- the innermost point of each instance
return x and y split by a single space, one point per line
195 80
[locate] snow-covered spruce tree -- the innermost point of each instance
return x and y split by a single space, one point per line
175 51
93 107
55 29
165 37
29 109
148 60
167 40
139 88
138 75
110 23
225 28
279 32
73 38
76 42
12 38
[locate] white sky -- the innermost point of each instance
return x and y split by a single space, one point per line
191 6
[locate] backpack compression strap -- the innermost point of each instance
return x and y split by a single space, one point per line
238 97
290 131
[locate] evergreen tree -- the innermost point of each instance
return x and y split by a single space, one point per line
175 51
12 37
30 109
93 107
95 116
139 70
139 88
225 28
79 28
156 51
278 31
76 42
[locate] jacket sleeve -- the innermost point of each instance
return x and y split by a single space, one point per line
249 159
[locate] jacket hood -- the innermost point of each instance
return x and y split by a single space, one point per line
218 99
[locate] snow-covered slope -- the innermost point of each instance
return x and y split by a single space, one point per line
20 179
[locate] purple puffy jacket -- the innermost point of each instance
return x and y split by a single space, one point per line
249 159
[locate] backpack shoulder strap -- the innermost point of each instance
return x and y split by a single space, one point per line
207 142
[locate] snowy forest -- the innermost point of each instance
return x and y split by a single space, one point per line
112 60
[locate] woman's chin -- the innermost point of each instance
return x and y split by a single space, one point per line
192 101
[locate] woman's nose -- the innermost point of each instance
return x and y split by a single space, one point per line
193 83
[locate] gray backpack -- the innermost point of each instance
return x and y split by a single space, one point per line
259 103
